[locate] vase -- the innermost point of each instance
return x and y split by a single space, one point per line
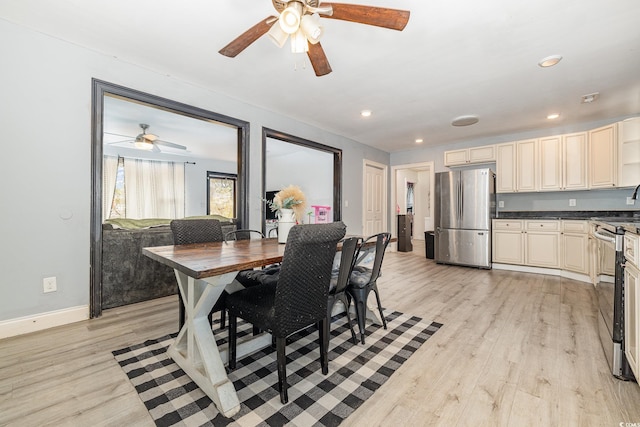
286 220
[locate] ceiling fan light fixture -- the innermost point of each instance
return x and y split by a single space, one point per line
144 144
277 35
299 42
310 25
290 17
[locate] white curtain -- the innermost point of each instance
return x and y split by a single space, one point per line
109 173
154 189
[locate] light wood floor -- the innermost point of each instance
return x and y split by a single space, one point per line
516 349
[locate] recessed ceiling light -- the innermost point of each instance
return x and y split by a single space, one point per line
553 116
365 113
549 61
465 121
419 140
590 97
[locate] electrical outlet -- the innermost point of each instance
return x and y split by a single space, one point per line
49 284
572 202
501 204
630 201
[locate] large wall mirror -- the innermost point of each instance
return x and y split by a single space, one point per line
315 168
178 152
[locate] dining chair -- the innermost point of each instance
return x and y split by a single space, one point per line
187 231
297 300
363 279
340 280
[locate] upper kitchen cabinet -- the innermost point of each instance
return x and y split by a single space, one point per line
603 157
629 152
467 156
516 166
563 162
526 160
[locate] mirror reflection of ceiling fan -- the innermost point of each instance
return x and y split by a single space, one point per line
300 19
147 141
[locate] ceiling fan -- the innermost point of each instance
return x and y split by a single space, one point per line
300 19
148 141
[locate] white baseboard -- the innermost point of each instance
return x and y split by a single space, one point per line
38 322
540 270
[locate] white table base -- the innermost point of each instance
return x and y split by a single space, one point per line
195 349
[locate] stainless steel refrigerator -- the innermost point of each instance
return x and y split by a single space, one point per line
465 205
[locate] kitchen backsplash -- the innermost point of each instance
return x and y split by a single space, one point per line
588 200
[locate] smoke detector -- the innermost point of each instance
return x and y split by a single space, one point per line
465 121
590 97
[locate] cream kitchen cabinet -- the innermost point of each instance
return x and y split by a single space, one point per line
542 244
575 246
629 152
516 166
507 241
526 242
563 162
632 303
466 156
603 160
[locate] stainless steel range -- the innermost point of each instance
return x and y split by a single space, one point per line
610 292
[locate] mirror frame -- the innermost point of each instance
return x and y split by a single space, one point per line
337 168
99 90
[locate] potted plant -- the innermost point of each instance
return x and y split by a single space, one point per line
289 205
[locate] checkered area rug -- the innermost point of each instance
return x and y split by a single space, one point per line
355 373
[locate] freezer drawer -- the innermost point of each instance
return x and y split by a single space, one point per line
463 247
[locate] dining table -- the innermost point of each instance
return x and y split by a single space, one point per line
203 272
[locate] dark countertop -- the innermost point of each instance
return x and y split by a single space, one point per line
577 215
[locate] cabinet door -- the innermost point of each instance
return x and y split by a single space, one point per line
455 157
482 154
550 164
506 168
603 157
542 249
632 318
526 156
574 156
507 247
575 250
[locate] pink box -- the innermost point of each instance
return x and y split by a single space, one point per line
321 214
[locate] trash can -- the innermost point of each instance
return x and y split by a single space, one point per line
429 244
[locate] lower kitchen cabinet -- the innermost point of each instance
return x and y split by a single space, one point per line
575 246
550 244
632 302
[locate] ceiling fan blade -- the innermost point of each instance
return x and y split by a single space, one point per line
120 142
393 19
318 60
245 39
170 144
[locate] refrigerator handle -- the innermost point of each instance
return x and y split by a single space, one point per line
461 199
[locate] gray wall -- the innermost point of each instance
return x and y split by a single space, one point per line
45 129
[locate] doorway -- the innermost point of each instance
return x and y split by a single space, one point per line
412 192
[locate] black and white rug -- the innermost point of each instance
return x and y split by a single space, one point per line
355 373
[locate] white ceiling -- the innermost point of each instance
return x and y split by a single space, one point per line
455 57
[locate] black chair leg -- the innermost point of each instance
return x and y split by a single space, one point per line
323 340
360 301
223 317
375 290
233 325
181 312
346 303
282 368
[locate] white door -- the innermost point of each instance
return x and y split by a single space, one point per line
374 198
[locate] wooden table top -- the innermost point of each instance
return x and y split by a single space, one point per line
202 260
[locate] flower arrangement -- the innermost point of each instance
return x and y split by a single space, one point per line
290 197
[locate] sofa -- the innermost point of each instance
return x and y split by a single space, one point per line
128 276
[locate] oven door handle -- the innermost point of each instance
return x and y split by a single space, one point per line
605 237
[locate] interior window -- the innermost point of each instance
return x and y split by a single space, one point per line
221 194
